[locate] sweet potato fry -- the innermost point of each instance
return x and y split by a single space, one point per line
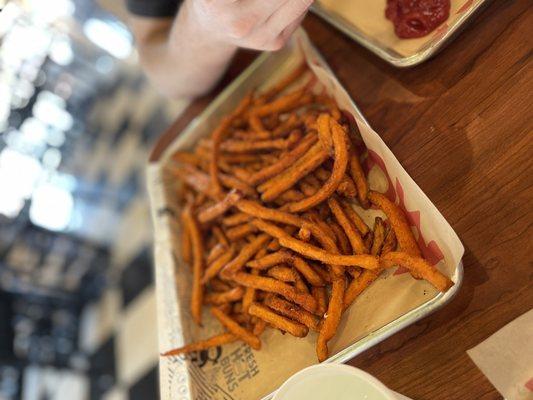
299 284
198 266
241 319
379 237
186 244
231 325
342 239
282 273
240 231
218 136
285 103
214 341
324 274
356 241
248 146
293 311
220 207
274 286
236 219
355 218
231 182
289 196
398 222
313 252
278 321
358 285
255 209
219 234
189 158
259 327
194 178
418 265
285 127
319 293
356 172
390 242
307 272
246 253
215 252
347 188
216 266
368 240
218 285
219 298
339 167
249 295
272 188
304 234
270 260
273 245
331 319
255 123
282 84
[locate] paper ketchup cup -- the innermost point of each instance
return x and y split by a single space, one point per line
334 381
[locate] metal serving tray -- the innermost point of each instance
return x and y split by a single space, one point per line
178 375
462 11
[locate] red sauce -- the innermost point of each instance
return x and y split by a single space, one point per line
416 18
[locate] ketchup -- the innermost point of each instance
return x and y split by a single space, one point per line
416 18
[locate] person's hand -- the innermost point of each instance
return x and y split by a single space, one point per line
253 24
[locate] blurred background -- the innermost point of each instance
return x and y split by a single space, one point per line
77 120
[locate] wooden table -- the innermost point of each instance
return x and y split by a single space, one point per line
462 126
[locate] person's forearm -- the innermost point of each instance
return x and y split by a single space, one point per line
181 58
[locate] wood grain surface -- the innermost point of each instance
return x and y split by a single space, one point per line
462 126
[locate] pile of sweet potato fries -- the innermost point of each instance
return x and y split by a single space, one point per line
268 224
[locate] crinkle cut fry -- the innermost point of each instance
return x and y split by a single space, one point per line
339 138
361 260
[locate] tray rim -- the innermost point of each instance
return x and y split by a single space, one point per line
391 56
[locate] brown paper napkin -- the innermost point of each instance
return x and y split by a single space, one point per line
506 358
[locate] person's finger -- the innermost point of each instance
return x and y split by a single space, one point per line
263 38
289 12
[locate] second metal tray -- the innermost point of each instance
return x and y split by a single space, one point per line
462 11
